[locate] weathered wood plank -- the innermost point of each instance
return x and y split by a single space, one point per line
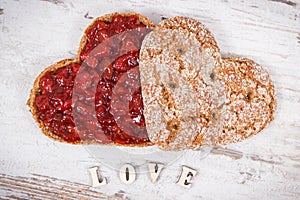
45 187
35 34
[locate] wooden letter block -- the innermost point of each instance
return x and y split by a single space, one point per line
186 175
97 181
127 174
154 170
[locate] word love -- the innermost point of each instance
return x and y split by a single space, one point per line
127 174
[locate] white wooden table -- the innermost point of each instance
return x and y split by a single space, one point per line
37 33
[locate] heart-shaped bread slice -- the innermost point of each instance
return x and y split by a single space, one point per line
250 99
73 100
182 93
189 90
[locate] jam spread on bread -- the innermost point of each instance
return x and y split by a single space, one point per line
103 82
171 89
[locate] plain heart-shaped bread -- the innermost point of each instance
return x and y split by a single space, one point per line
178 63
194 98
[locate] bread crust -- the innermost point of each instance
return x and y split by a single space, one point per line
35 90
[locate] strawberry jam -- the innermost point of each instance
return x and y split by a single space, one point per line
99 98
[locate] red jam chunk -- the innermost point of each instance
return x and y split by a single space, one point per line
98 99
102 31
54 102
119 102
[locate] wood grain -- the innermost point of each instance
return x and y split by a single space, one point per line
45 187
35 34
290 3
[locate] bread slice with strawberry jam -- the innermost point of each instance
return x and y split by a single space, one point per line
76 101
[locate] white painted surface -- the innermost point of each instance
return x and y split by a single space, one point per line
35 34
